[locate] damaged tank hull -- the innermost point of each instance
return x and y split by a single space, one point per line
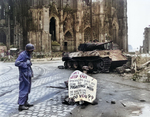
97 56
115 64
93 63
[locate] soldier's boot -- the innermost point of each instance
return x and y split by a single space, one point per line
22 107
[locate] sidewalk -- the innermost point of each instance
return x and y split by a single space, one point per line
46 59
38 59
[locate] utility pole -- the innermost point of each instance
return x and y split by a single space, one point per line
91 20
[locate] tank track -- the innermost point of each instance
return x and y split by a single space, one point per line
107 64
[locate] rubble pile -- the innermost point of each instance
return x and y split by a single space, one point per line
139 66
126 68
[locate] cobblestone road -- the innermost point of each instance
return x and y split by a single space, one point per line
132 99
47 101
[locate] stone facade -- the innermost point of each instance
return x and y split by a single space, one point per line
146 41
71 22
11 32
4 24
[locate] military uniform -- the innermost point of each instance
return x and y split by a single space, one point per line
23 62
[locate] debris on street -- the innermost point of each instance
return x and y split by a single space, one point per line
142 101
66 83
137 66
61 67
68 101
123 104
56 87
113 102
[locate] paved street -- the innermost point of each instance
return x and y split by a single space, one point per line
47 101
117 97
130 98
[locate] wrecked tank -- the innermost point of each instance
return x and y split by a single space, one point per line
97 56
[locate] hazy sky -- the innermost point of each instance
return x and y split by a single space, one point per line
138 18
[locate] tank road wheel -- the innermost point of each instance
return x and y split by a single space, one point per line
69 64
91 66
101 64
75 65
104 64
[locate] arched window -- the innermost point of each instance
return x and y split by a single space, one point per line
2 37
68 36
52 29
87 35
69 42
2 11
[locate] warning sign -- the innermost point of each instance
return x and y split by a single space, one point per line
82 87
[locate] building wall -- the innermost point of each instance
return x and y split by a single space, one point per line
73 23
146 41
41 41
4 24
69 23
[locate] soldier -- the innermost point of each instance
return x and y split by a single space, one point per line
25 73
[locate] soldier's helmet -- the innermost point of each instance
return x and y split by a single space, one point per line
29 47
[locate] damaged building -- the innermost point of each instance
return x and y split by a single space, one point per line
65 22
146 41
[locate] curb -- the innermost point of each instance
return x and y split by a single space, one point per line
46 59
